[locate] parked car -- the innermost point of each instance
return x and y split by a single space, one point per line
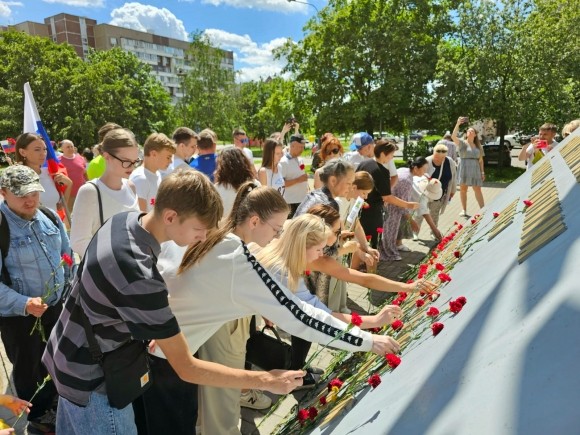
415 136
492 154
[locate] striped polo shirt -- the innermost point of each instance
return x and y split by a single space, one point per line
123 295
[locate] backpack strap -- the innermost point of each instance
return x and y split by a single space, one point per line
5 240
99 200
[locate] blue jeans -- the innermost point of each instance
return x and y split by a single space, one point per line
97 418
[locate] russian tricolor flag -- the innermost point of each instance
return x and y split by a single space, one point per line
33 124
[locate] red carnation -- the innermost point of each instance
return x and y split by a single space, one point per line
455 307
437 328
11 140
455 223
432 312
302 166
459 227
379 230
410 281
366 205
67 259
374 330
369 237
322 400
528 203
303 416
392 360
307 272
152 201
457 254
312 412
439 267
336 382
374 380
444 277
397 325
402 295
419 303
441 246
397 302
355 319
473 221
495 214
462 300
434 254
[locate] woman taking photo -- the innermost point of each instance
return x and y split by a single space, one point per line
109 194
268 174
218 281
31 152
471 172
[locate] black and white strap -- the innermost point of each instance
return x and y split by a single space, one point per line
295 309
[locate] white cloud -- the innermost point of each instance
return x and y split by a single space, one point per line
145 18
6 10
266 5
252 60
79 3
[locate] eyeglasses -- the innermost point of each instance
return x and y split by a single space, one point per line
244 140
441 151
278 231
128 163
335 151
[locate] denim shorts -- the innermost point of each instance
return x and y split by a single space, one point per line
98 415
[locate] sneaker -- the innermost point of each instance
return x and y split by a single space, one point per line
345 310
255 399
309 381
403 248
463 213
415 237
45 424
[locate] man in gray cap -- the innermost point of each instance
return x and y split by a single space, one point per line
32 242
291 167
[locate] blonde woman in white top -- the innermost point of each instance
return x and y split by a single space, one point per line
116 192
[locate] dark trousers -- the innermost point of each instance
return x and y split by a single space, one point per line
25 352
300 350
169 406
371 219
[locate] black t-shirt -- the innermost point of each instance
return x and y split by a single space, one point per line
382 180
445 176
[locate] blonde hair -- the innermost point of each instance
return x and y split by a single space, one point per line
363 181
190 193
570 127
288 253
440 147
250 200
158 142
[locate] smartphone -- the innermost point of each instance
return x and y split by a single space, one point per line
541 144
465 119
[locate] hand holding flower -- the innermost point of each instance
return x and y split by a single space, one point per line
14 404
383 344
36 307
387 315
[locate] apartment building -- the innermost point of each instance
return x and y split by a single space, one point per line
167 56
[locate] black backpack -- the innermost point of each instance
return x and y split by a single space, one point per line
5 240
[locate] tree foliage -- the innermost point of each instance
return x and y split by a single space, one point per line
75 98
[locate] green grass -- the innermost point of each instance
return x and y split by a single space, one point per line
493 174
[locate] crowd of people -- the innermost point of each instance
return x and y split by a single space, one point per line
181 247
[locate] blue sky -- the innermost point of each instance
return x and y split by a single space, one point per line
251 28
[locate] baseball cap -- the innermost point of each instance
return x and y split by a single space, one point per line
20 180
297 138
359 140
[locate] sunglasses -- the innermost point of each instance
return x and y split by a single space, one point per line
128 163
441 151
335 151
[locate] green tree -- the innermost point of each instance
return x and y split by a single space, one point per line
369 63
210 94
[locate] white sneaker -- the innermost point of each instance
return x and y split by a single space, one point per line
415 237
463 213
255 399
403 248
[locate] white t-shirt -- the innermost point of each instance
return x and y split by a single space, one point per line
390 165
50 197
249 155
176 163
228 195
355 158
85 212
228 284
291 168
530 153
275 180
146 184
